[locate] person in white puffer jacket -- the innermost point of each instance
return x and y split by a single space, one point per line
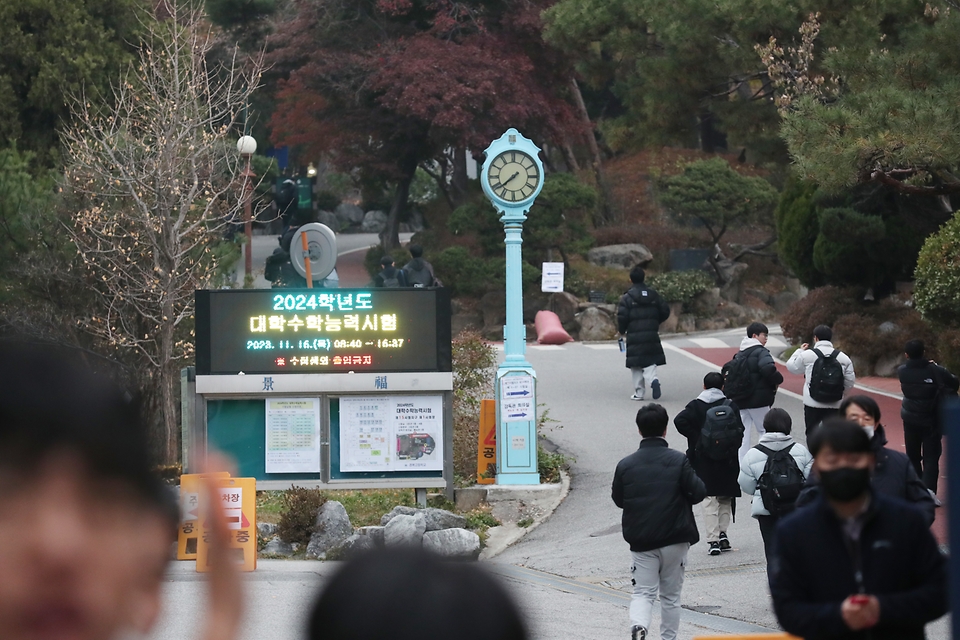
777 425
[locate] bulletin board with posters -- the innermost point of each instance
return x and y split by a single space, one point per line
338 388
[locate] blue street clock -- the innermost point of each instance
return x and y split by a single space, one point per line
512 174
512 177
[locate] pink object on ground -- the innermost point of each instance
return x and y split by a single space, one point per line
549 329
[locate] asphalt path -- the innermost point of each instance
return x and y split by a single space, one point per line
565 571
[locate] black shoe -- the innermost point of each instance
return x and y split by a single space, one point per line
638 633
655 387
724 542
714 549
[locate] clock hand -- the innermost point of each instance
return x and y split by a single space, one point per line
511 178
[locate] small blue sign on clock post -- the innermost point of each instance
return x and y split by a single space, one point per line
512 177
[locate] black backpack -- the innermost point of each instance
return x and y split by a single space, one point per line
737 382
419 277
781 481
826 380
722 432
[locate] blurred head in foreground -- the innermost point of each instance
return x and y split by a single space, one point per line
85 526
409 594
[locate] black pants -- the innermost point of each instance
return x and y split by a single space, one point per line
924 446
768 524
813 416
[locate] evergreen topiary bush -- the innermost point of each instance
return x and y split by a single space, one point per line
681 286
937 290
797 229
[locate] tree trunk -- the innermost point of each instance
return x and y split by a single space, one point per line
390 236
596 159
460 183
168 379
570 158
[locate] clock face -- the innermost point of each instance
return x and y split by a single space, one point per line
513 176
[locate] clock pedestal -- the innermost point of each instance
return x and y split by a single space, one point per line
516 379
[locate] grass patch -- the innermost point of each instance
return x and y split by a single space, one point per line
525 522
549 465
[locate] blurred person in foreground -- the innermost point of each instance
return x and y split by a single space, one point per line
657 487
409 594
855 563
85 525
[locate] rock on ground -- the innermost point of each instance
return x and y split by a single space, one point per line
352 547
405 531
620 256
374 533
398 510
329 219
266 529
333 527
453 543
596 324
565 305
278 547
439 519
374 222
349 214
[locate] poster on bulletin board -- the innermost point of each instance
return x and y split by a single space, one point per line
293 435
391 433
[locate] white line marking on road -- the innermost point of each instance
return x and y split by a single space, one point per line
710 343
879 392
713 367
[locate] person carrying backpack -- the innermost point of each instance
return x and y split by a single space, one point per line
828 373
751 380
419 272
711 424
774 472
390 277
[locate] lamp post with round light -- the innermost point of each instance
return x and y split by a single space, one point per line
247 146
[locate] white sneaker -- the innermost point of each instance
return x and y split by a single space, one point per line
636 397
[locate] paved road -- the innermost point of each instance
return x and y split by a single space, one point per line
571 574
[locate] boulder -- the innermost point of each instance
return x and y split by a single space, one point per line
711 324
886 366
333 527
398 510
532 304
887 327
266 529
278 547
596 325
374 533
439 519
762 296
732 275
687 323
565 305
706 302
349 214
670 324
457 544
783 300
352 547
373 222
620 256
330 219
405 531
466 321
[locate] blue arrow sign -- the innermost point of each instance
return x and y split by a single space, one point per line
517 415
525 392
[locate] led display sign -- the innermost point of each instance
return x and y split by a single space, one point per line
322 330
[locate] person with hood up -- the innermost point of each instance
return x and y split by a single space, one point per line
719 476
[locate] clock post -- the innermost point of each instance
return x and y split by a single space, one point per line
512 177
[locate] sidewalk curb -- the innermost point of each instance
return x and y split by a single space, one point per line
507 534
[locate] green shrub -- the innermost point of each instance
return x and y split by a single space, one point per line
326 200
549 465
480 518
797 229
468 275
299 516
474 368
937 291
681 286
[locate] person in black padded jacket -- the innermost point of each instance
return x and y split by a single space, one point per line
657 487
639 315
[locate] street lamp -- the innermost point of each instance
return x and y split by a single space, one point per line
247 146
311 171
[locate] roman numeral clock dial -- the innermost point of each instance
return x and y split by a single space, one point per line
513 176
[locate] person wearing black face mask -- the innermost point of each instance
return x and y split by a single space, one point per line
855 563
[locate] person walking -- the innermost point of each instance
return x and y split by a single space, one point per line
639 314
657 480
782 477
751 380
390 276
924 384
719 476
418 271
855 563
828 374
